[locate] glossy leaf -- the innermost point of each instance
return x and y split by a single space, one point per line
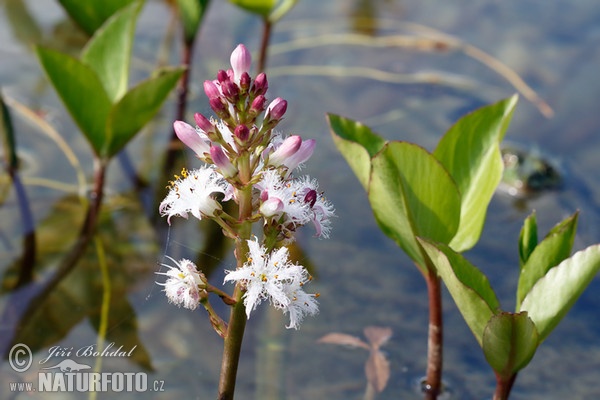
528 239
552 296
282 8
109 51
412 195
191 13
469 288
357 143
260 7
555 247
136 108
91 14
470 152
82 93
509 342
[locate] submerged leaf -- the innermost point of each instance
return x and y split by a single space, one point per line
377 335
377 370
343 340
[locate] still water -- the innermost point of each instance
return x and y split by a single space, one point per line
404 93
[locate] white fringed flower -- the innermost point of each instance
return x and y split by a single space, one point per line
185 283
273 277
194 193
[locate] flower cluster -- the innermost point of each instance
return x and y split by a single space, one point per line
273 277
250 163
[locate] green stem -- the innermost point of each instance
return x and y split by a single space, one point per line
504 386
237 318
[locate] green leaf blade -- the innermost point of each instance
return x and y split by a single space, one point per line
91 14
550 252
191 13
260 7
553 295
136 108
108 53
82 83
528 239
357 143
509 342
469 288
412 195
470 151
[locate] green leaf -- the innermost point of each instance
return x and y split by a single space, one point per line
553 295
469 288
470 151
281 9
75 81
260 7
528 239
91 14
8 136
509 342
555 247
136 108
108 53
412 195
191 13
357 143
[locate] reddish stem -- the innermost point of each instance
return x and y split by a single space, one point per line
433 384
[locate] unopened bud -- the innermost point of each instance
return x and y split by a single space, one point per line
241 132
211 90
276 109
222 76
260 85
288 148
203 123
222 162
191 138
240 62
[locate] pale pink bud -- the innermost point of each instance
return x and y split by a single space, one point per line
240 62
222 162
191 138
203 122
276 109
302 155
288 148
271 207
211 89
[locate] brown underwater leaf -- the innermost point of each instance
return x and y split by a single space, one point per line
377 370
377 335
344 340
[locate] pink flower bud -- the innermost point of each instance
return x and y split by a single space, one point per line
211 89
240 62
230 91
222 76
258 104
191 138
203 123
276 109
245 81
222 162
241 132
260 84
288 148
302 155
